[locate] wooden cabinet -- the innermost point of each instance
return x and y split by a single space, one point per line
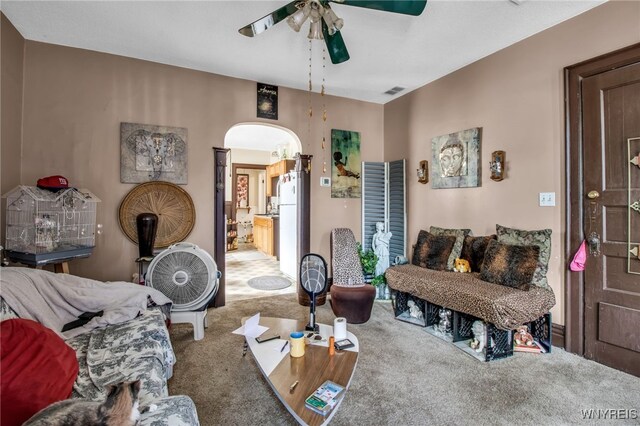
274 171
263 234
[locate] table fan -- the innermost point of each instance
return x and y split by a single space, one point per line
313 279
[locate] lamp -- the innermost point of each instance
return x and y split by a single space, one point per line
423 172
496 165
296 20
315 31
331 19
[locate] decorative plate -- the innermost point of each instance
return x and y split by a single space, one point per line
173 205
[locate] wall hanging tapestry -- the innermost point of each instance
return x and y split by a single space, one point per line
345 168
456 159
151 153
267 101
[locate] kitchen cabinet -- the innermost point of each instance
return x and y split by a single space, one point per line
274 171
263 234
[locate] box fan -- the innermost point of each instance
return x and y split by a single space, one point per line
189 277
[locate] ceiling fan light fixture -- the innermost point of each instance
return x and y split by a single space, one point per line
296 20
315 31
333 22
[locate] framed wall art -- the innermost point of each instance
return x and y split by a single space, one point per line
242 190
267 104
346 164
456 160
152 153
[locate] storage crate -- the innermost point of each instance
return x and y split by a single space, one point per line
401 308
46 227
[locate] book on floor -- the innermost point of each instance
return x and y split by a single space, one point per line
325 397
535 348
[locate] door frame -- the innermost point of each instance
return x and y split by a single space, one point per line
574 281
234 174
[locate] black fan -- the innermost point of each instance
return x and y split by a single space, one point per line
324 22
313 279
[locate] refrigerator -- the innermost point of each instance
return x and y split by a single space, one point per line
288 211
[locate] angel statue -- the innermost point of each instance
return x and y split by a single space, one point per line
380 246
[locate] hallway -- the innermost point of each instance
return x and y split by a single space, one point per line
245 263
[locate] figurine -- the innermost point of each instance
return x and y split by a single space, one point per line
522 336
380 246
444 326
479 336
400 260
462 265
414 311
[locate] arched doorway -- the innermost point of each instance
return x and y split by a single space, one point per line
258 154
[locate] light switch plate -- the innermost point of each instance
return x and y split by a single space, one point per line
325 181
547 199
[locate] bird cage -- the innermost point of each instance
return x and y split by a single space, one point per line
47 227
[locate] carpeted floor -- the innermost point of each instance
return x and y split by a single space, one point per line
404 376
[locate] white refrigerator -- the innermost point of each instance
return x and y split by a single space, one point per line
289 225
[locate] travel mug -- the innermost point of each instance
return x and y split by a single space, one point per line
297 344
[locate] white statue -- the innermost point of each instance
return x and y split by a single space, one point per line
380 246
414 311
479 336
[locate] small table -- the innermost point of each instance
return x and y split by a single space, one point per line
311 370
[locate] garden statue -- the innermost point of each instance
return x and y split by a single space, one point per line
479 336
380 246
414 310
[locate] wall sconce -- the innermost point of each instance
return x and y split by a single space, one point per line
497 165
423 172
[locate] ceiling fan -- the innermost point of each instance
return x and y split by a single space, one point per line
324 22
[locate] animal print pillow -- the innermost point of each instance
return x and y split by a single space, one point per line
509 265
473 250
432 251
540 238
457 247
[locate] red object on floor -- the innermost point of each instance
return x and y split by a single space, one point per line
38 369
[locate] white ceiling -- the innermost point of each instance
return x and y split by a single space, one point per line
386 49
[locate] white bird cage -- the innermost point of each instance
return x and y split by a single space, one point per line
46 227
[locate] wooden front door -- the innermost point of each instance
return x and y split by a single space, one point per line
611 186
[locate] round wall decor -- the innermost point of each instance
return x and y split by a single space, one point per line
173 205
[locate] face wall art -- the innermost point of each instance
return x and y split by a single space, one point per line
456 160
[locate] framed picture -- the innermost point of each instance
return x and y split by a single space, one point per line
267 105
242 190
456 159
346 165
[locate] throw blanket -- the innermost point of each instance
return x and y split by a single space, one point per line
57 299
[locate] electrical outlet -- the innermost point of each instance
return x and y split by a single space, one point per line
325 181
547 199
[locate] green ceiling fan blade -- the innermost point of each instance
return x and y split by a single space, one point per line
335 45
406 7
268 21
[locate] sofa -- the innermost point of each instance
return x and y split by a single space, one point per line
507 287
135 349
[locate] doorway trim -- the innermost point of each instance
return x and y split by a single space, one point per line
574 281
234 174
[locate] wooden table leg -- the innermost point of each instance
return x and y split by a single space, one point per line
61 268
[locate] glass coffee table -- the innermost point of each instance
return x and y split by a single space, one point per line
310 371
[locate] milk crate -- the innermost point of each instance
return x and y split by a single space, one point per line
43 226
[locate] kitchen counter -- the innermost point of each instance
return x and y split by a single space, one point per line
266 234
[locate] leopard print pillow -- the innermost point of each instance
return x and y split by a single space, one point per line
457 248
540 238
509 265
432 251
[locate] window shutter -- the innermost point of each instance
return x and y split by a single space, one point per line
373 199
396 207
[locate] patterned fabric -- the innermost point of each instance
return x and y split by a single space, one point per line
136 349
6 312
433 251
171 411
347 269
457 248
502 306
473 250
541 238
510 265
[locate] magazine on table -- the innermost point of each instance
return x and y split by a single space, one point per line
325 397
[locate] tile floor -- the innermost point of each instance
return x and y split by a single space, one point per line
245 263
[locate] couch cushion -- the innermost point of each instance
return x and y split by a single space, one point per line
473 250
502 306
510 265
540 238
173 411
457 247
38 369
432 251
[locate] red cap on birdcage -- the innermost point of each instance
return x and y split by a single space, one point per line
53 182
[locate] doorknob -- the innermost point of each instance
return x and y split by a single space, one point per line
593 195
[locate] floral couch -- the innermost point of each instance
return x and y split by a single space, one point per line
136 349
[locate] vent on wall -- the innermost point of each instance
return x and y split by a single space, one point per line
394 90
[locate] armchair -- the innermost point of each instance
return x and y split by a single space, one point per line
350 296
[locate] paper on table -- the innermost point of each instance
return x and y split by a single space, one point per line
251 327
280 345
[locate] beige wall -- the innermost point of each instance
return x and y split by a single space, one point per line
11 119
516 96
74 101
